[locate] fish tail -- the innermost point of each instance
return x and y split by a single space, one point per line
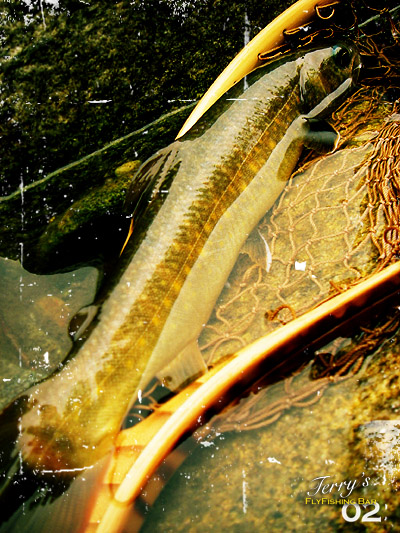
18 483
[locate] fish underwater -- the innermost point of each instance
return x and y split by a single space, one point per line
206 193
327 200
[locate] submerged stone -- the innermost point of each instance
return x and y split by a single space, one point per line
271 478
53 222
35 312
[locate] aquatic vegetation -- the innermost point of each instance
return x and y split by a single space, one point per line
96 71
91 197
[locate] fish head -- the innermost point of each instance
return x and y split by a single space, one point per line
327 75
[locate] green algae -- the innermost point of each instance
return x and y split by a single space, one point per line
87 219
77 76
59 199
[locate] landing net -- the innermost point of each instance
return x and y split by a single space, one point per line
336 223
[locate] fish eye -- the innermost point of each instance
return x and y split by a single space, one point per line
341 56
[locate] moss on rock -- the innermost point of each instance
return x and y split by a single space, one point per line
76 213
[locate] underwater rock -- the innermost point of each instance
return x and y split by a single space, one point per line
260 480
93 225
35 312
26 213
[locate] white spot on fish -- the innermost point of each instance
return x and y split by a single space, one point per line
300 265
139 394
46 358
6 379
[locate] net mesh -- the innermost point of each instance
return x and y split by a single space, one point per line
336 223
378 186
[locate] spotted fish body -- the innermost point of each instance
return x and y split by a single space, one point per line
221 179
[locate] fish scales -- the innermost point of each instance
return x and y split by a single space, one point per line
221 183
212 200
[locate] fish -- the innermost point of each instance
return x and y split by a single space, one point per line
206 192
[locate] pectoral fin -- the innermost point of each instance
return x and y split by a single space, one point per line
80 322
151 180
321 136
148 180
256 247
188 365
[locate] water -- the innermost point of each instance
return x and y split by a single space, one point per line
250 480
